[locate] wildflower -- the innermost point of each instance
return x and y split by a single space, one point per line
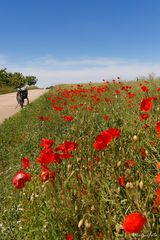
106 117
20 179
130 163
158 178
158 129
68 118
46 143
134 222
146 104
158 165
114 132
144 116
121 180
157 202
26 162
67 147
47 156
69 237
144 89
46 174
102 140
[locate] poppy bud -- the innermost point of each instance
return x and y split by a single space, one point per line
80 223
141 185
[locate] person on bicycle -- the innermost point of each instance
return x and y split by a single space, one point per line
22 93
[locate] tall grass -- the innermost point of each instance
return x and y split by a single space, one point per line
85 199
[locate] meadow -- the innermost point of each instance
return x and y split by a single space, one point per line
83 162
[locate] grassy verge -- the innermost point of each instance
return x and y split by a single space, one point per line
85 199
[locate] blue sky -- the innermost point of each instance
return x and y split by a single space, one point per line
67 41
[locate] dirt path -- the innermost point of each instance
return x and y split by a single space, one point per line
8 102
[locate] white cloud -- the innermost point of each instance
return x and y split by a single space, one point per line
51 71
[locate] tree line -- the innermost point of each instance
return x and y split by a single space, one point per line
15 79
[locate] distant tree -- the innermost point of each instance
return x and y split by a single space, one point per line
17 79
31 80
4 80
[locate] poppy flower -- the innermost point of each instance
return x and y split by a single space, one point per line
157 202
130 163
134 222
46 143
102 140
144 89
114 132
158 129
69 237
121 180
46 174
158 165
106 117
146 104
158 178
144 116
26 162
67 147
20 179
47 156
68 118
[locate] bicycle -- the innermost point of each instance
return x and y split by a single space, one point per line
21 95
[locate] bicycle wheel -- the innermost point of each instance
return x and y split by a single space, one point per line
20 100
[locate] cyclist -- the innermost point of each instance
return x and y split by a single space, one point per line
22 93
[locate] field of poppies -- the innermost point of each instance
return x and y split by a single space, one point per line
83 162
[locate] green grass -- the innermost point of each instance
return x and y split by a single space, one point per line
84 188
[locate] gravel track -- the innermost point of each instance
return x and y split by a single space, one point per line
8 102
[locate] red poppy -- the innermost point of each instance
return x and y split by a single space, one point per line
46 143
144 116
102 140
69 237
121 180
68 118
131 95
26 162
146 104
46 174
134 222
158 165
106 117
117 92
114 132
20 179
67 147
130 163
58 109
158 129
157 202
158 178
144 89
47 156
41 118
99 145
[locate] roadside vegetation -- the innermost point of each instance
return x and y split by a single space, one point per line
9 82
83 162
